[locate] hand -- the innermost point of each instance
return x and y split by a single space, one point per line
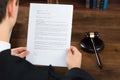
20 52
74 58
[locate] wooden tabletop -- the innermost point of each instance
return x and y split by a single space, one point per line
107 23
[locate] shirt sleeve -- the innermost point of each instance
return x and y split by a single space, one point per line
4 45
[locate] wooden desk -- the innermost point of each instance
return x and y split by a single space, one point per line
53 1
107 23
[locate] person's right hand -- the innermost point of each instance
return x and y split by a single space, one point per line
74 58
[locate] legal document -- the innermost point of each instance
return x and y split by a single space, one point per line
49 33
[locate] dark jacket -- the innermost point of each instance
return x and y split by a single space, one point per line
15 68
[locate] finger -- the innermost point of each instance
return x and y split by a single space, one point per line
21 49
69 52
74 50
23 54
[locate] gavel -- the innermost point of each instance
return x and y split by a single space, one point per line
92 44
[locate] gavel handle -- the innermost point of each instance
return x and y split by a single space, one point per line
97 55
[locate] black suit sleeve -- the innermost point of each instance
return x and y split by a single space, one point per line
77 74
15 68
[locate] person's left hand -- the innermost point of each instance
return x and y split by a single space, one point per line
21 52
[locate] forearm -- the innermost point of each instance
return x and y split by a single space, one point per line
15 68
77 74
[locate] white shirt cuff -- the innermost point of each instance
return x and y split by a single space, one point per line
4 45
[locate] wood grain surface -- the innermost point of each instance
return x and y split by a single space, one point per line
107 23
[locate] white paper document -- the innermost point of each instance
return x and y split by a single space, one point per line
49 33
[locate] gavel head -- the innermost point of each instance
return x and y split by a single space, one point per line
87 45
91 34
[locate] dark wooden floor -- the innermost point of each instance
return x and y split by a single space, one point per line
107 23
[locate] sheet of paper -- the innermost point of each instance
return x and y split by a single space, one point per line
49 33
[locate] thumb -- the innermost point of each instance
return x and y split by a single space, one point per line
69 53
